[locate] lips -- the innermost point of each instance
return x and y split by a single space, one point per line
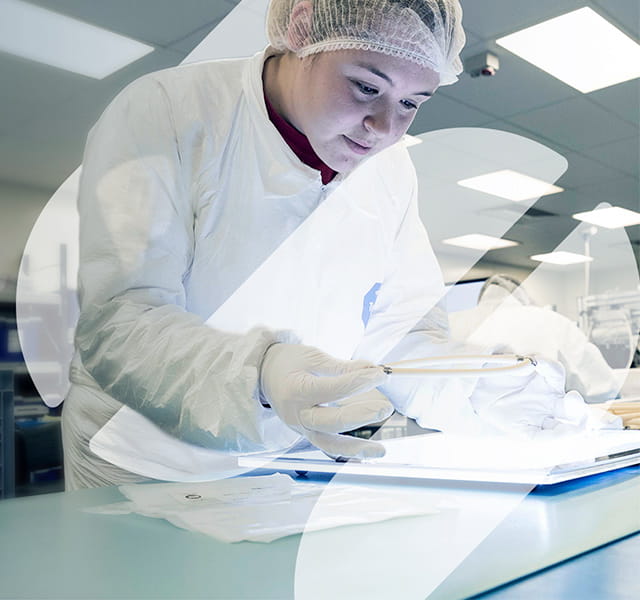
358 147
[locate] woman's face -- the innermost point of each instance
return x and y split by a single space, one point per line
353 103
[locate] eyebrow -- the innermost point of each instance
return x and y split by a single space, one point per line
388 79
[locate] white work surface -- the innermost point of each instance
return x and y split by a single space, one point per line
453 457
50 548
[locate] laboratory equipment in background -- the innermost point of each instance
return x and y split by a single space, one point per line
36 330
47 311
611 321
7 478
28 403
30 439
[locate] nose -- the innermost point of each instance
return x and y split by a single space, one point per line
379 122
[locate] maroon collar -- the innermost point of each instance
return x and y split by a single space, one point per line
299 143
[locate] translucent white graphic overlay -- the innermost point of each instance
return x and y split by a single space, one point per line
407 558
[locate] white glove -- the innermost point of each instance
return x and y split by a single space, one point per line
299 382
434 402
529 403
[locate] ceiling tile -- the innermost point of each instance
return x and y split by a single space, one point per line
158 22
622 99
536 236
41 160
35 88
517 87
567 203
43 150
510 127
623 155
188 43
471 38
583 170
80 91
31 88
576 123
541 233
441 112
253 35
622 13
578 166
489 19
622 191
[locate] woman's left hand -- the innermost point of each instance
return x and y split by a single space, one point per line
532 402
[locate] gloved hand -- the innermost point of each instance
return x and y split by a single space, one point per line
530 402
319 397
435 402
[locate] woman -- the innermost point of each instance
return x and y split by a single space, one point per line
268 197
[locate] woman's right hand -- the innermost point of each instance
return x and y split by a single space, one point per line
321 397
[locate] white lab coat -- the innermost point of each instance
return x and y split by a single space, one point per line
503 323
192 206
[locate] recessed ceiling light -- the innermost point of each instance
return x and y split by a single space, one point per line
48 37
610 218
580 48
411 140
510 185
562 258
479 241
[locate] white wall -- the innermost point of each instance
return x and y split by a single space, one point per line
19 209
557 287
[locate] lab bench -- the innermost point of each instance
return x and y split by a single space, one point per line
556 542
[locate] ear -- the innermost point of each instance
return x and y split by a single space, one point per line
299 28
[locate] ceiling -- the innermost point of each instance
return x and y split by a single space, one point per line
45 113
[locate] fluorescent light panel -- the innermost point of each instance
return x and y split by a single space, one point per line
47 37
479 241
580 48
613 217
562 258
510 185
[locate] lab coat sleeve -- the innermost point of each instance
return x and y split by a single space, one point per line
135 336
518 329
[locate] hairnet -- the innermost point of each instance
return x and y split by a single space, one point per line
428 32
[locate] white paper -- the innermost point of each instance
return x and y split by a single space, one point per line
265 508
